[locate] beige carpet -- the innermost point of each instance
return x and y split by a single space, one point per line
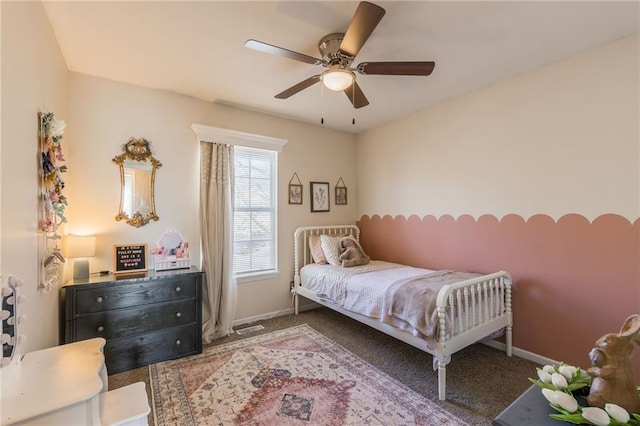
481 381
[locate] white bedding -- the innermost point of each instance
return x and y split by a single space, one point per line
366 289
330 282
360 289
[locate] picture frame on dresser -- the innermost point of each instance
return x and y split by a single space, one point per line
129 258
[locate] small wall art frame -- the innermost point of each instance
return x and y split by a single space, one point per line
295 190
319 196
341 193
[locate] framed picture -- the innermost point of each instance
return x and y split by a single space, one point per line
295 193
341 195
341 192
319 196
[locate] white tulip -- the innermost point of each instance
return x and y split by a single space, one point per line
617 412
550 394
567 371
566 401
559 381
549 369
544 376
596 415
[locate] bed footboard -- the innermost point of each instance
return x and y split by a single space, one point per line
468 305
468 312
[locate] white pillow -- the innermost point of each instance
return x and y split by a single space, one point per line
331 249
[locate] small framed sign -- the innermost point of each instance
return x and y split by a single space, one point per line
129 258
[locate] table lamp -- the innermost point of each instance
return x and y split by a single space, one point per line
80 247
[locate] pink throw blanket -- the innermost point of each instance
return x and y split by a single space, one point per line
414 302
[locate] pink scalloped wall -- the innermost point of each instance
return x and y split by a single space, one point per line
573 280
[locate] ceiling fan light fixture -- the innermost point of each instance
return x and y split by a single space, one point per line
337 79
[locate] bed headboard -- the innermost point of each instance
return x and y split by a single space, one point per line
302 254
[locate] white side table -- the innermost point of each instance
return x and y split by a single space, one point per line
63 385
67 377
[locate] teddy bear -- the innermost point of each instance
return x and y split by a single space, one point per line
352 254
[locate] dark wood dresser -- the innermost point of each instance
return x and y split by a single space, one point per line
145 318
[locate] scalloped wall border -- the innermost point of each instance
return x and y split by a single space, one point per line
574 279
511 216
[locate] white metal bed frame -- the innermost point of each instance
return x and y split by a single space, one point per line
471 301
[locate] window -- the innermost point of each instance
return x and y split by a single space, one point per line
255 249
254 234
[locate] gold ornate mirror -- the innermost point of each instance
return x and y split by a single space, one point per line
137 183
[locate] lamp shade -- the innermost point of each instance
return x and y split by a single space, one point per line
80 245
337 79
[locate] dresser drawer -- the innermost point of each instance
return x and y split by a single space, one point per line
131 352
130 321
117 296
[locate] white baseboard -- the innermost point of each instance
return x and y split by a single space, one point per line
269 315
521 353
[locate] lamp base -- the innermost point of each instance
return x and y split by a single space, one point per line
80 269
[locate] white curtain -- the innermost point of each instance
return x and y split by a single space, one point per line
216 226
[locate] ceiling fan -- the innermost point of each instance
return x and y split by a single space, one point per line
338 50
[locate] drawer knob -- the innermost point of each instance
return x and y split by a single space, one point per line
178 289
178 314
99 299
178 342
100 329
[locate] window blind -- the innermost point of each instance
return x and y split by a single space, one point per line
254 231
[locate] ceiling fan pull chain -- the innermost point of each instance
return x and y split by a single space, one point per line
353 99
322 104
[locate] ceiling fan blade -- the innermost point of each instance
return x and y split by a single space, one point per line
359 100
280 51
364 21
396 68
298 87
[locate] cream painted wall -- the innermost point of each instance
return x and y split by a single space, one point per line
34 79
104 114
561 139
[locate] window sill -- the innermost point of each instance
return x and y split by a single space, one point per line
259 276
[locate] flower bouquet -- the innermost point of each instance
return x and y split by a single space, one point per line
559 383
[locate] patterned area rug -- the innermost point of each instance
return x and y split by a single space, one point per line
294 376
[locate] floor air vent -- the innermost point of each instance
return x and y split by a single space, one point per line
252 329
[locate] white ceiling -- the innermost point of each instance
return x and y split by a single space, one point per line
197 48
